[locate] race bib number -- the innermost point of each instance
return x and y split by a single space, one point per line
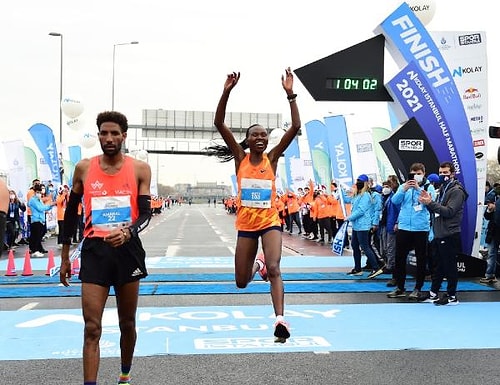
256 193
110 212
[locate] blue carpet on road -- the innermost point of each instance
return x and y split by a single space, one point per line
36 334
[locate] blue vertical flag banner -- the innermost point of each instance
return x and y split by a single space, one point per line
340 153
45 141
291 152
75 154
425 89
317 138
339 239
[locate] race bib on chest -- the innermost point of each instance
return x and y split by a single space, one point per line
256 193
110 212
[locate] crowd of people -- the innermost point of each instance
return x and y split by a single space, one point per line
387 223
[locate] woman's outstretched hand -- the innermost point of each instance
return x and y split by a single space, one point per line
231 81
287 81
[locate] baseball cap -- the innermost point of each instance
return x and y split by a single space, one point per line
433 178
363 178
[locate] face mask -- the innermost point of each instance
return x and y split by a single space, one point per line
43 191
39 195
12 196
360 185
418 178
386 190
443 179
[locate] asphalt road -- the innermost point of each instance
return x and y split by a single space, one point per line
207 231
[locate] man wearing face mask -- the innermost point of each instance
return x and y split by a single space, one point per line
448 211
412 230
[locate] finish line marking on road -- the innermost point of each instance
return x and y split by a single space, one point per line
248 329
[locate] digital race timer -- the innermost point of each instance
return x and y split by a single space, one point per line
354 84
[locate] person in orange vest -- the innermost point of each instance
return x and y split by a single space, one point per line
323 217
61 201
256 216
292 209
280 206
305 209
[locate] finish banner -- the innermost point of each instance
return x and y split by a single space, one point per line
425 90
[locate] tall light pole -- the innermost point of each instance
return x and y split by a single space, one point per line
113 82
60 85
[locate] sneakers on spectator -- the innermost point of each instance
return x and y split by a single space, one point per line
415 294
355 272
487 280
396 293
37 254
281 331
447 300
261 261
428 297
376 273
391 283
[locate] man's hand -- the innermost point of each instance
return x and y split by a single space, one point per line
118 237
65 271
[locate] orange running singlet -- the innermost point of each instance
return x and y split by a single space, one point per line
256 196
110 201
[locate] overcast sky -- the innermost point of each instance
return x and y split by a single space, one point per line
185 50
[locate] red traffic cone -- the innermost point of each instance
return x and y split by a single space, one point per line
75 267
50 263
27 264
11 265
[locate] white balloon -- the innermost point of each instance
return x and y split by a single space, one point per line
142 155
88 140
71 107
75 123
424 9
275 137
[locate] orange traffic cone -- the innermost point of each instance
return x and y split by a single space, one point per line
50 263
27 264
11 265
75 267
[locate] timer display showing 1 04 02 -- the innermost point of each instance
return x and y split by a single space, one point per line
354 84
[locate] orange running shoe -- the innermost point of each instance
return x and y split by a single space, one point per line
261 261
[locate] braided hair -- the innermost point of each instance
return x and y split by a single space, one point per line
223 152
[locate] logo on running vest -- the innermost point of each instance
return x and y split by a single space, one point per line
97 185
136 272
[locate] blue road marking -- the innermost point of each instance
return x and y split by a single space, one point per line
202 262
36 334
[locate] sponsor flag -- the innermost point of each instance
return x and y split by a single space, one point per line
318 145
44 140
16 166
340 153
339 239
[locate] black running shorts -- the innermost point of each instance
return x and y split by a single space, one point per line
112 266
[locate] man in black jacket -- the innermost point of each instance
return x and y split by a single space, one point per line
448 212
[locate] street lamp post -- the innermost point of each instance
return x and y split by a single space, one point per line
60 85
113 81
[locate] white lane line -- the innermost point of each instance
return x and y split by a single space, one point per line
29 306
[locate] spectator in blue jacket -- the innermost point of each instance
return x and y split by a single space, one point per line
361 219
38 210
412 230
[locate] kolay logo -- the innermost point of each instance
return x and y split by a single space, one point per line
411 145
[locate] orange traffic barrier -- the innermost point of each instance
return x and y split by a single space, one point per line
11 265
27 264
50 263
